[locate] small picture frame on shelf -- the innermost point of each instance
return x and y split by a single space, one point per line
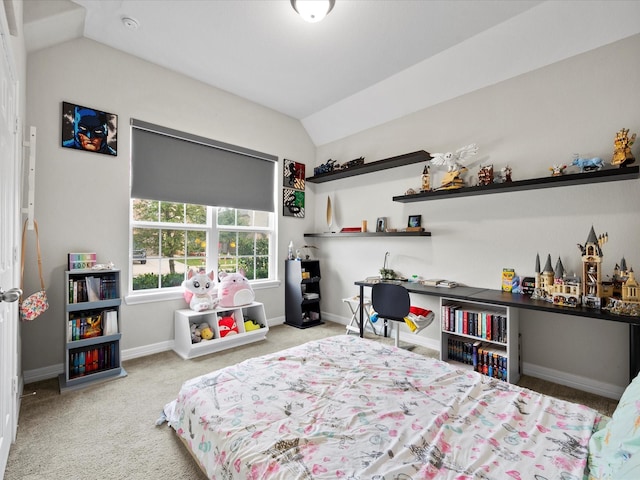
414 221
381 224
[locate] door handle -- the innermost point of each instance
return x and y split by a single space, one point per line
10 295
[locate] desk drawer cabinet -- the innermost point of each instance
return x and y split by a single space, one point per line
481 337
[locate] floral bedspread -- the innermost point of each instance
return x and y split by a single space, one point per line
347 407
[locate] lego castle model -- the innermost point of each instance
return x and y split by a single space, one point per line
618 294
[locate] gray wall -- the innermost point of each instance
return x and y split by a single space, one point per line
82 199
529 122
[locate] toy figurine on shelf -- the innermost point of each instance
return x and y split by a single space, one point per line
426 180
505 174
622 148
452 180
587 164
327 167
557 170
452 161
485 175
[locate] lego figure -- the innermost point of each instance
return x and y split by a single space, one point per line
485 175
622 148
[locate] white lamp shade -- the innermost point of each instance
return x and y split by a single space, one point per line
312 11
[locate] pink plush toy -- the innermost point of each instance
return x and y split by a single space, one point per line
234 290
199 291
227 326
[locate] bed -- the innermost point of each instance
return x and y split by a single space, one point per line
353 408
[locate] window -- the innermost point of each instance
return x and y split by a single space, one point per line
167 239
174 175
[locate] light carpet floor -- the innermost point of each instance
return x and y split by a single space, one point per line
107 431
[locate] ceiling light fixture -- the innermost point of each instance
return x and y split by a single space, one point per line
313 11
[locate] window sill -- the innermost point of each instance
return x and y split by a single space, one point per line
177 293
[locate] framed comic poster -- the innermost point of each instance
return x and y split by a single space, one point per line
88 129
292 203
293 175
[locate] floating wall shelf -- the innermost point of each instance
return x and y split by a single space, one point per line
369 234
598 176
399 161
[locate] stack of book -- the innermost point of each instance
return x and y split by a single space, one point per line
484 358
92 289
93 359
481 324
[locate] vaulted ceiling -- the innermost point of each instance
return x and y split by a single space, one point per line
367 62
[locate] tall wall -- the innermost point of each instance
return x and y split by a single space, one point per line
82 199
530 123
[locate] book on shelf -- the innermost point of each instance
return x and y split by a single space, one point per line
81 261
84 325
351 229
91 360
483 357
485 325
92 288
110 322
439 282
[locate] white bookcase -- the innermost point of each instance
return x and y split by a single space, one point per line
186 317
464 331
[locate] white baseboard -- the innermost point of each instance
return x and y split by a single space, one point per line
44 373
137 352
574 381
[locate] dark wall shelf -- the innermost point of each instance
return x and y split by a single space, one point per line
598 176
369 234
399 161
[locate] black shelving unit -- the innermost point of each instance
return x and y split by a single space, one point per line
399 161
597 176
302 293
368 234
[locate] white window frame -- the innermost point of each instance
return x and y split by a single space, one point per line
212 232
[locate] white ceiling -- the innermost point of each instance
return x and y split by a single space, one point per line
367 62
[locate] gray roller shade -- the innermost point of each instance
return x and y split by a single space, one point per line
175 166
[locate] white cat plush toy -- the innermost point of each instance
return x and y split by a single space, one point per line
201 288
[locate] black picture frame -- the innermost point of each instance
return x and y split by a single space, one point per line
414 221
89 130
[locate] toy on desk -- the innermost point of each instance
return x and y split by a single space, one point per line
227 326
234 290
622 148
508 278
587 164
199 290
387 273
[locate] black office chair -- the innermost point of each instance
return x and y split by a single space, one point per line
391 302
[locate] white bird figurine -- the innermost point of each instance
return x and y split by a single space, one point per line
452 159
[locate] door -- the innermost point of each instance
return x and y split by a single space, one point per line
10 175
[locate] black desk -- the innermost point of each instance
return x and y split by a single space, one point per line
498 297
